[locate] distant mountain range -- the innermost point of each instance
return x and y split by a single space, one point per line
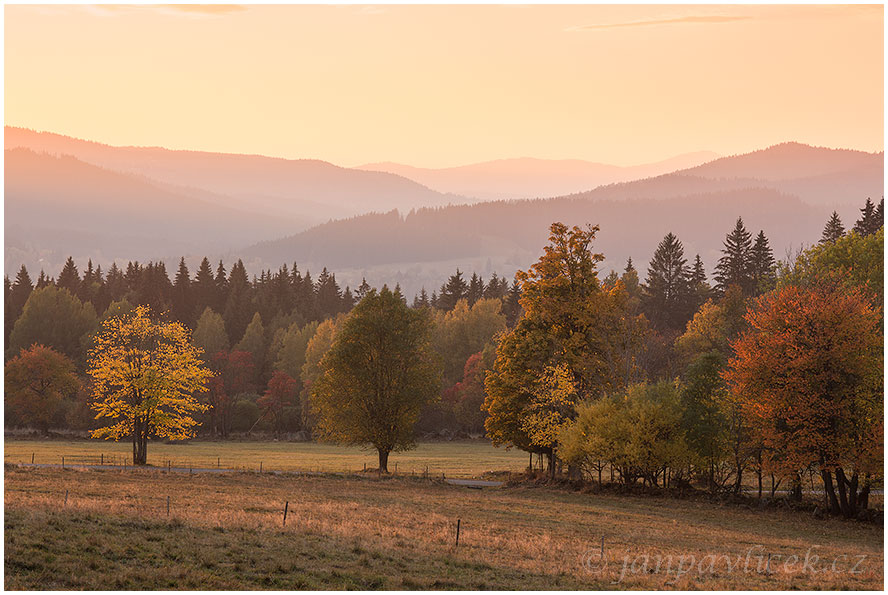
65 196
534 178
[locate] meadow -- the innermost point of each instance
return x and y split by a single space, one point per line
89 529
462 459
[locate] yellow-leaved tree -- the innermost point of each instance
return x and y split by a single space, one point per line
145 374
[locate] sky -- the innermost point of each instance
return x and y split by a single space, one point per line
439 86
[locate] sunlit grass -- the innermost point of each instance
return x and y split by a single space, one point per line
510 537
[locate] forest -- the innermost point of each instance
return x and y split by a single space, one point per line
663 377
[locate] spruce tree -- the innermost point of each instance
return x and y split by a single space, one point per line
239 307
666 298
700 288
868 223
43 280
735 265
833 229
182 307
221 282
18 293
329 296
69 278
476 289
764 267
363 289
203 290
454 290
115 284
512 305
422 300
879 215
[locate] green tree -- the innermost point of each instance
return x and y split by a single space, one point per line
763 268
254 343
69 278
453 291
870 219
36 383
294 344
210 335
19 292
666 299
54 318
734 267
317 348
833 229
376 376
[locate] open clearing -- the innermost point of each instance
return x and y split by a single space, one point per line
226 531
466 458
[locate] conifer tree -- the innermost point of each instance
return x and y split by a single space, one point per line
115 284
422 300
699 286
43 280
512 304
867 224
363 289
221 287
764 267
69 278
833 229
329 296
451 292
239 308
734 267
476 289
203 290
666 298
18 293
182 309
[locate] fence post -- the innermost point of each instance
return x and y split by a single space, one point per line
102 458
32 458
218 462
260 466
63 462
286 506
66 497
457 532
168 506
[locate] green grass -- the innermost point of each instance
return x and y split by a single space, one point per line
454 459
225 531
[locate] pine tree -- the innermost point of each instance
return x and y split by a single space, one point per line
666 297
512 305
115 284
239 307
867 223
454 290
699 286
764 267
221 282
69 278
496 287
833 229
422 300
182 307
17 295
203 290
734 267
363 289
43 280
329 296
476 289
879 215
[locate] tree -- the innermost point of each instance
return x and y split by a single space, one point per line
808 373
551 409
232 376
870 219
666 298
734 266
476 289
54 318
833 229
203 289
278 398
239 308
36 383
69 278
317 348
568 319
19 292
182 305
145 375
763 268
465 330
451 292
210 335
254 343
377 375
294 343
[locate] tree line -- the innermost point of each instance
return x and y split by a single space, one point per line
772 370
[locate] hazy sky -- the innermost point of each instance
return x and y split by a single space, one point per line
438 86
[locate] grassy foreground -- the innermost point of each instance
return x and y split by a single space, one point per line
226 532
455 459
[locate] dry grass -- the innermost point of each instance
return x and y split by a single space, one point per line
399 533
455 459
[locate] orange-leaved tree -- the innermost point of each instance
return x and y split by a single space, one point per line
145 374
37 382
808 372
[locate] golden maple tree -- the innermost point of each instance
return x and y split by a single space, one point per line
145 374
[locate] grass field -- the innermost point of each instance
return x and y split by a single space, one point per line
226 531
454 459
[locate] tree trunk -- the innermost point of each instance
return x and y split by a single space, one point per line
552 464
796 493
383 460
830 490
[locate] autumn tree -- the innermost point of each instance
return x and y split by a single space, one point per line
376 376
279 397
568 319
55 318
36 384
209 334
145 375
232 376
808 372
551 409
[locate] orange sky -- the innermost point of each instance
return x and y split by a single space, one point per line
438 86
